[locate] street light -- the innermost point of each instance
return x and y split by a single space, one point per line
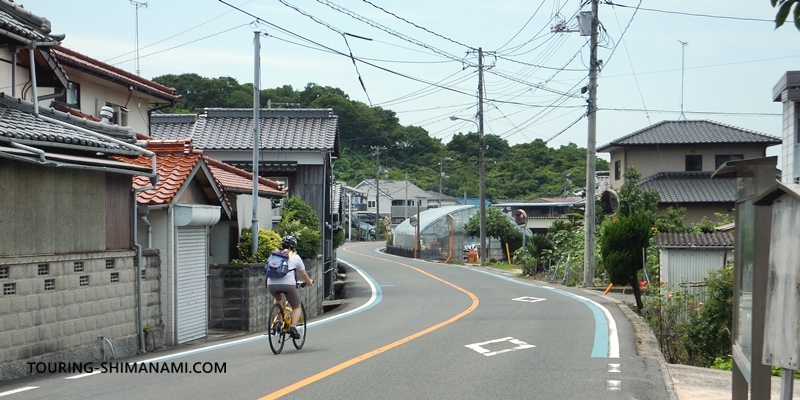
482 178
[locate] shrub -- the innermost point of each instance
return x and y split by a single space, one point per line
709 335
267 242
301 221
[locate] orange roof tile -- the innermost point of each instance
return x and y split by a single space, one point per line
235 179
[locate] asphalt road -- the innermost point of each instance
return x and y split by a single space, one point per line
408 330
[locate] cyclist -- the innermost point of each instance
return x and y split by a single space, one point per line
288 283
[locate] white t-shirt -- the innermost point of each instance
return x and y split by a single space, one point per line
295 264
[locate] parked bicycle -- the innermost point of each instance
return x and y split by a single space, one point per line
280 319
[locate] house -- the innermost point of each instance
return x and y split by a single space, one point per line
437 199
298 148
67 260
398 200
677 158
237 186
540 212
93 84
787 91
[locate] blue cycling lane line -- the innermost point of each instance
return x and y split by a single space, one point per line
375 298
606 337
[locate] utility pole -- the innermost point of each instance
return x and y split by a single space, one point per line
256 131
138 5
377 186
441 175
405 201
683 57
591 158
484 251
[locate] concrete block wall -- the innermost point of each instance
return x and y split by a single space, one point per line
151 300
240 301
789 137
50 312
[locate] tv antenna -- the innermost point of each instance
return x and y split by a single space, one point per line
138 5
683 57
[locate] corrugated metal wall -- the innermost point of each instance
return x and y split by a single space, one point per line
690 267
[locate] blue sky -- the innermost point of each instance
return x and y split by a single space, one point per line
731 65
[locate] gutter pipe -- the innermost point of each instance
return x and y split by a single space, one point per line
140 292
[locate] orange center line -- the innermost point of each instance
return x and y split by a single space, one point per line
336 368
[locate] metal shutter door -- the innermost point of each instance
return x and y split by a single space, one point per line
191 280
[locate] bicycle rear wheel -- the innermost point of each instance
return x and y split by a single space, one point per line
277 337
301 329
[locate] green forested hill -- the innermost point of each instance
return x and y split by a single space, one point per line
518 172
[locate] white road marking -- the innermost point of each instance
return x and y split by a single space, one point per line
83 375
614 385
614 368
529 299
18 390
482 350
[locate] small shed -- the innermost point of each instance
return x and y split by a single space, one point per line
686 259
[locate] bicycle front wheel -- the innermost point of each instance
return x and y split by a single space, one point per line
301 329
277 336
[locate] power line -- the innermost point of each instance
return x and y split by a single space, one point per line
690 14
743 114
417 26
523 27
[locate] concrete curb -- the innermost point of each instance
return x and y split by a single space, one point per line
647 344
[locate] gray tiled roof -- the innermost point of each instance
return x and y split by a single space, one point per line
172 126
716 239
395 189
22 22
18 123
691 187
281 129
692 132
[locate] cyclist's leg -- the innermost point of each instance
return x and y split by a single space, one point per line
293 297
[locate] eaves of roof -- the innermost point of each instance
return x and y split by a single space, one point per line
695 240
84 63
19 124
24 24
240 181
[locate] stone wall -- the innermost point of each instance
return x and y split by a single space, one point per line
239 298
55 308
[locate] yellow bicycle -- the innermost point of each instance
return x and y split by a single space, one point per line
280 319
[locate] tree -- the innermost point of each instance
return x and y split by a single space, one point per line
621 249
632 198
498 225
784 6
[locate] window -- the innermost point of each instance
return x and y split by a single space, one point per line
44 269
722 158
371 204
397 202
114 277
78 266
9 289
3 272
617 170
84 280
694 162
49 285
410 203
110 263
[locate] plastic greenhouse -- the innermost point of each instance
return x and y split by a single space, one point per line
436 240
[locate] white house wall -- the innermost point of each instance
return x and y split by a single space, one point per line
244 212
220 236
23 74
293 157
650 160
162 240
790 160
